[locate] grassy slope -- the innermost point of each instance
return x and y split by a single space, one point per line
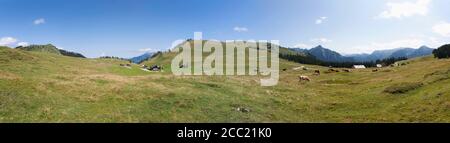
41 48
40 87
165 59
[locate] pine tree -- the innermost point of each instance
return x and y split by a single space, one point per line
442 52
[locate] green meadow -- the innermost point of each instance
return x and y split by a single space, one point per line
46 87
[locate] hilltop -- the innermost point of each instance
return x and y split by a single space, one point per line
328 55
49 48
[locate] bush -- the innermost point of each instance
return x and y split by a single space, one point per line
442 52
402 88
71 54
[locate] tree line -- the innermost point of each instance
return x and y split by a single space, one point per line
114 57
310 59
71 54
442 52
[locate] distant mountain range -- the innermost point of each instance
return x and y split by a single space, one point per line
141 58
328 55
393 53
317 53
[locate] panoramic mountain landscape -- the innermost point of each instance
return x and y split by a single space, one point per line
40 85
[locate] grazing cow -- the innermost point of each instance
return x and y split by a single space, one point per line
333 70
304 78
346 70
317 72
375 70
284 69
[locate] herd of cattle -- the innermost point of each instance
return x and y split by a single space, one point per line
302 78
152 68
126 65
145 67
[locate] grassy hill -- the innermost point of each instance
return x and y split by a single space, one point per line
49 48
165 58
45 87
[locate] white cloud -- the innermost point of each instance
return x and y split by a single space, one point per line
23 44
146 50
39 21
303 46
240 29
442 29
321 40
103 54
406 9
436 42
315 41
4 41
321 20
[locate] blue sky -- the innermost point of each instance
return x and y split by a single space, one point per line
127 28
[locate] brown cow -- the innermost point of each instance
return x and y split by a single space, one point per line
304 78
333 70
317 72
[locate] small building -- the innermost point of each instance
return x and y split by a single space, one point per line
359 66
379 66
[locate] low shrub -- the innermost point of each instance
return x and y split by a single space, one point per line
402 88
